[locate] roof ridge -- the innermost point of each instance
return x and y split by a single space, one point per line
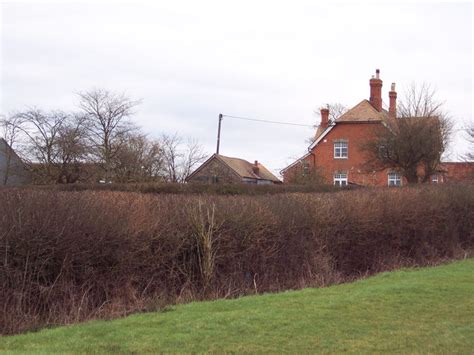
364 111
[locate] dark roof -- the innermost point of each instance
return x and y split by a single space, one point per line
5 148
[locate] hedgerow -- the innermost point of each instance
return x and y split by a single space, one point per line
69 256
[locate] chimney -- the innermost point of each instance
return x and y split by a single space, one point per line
255 167
376 91
392 110
324 117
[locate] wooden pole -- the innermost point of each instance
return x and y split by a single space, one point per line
219 133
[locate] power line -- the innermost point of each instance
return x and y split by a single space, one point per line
268 121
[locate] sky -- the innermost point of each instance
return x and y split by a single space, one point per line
188 61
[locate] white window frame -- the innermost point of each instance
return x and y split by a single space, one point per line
434 179
340 179
341 149
305 168
394 179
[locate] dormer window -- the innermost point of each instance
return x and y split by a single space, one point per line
341 149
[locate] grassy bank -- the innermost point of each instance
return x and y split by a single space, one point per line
412 310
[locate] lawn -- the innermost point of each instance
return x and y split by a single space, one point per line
429 310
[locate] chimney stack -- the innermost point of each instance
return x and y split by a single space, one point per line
376 91
392 110
255 167
324 117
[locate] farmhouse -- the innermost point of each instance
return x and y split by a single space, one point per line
222 169
336 152
337 155
12 169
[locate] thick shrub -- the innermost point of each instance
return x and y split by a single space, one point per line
194 188
67 256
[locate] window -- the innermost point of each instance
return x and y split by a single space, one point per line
394 179
340 179
434 179
340 149
305 168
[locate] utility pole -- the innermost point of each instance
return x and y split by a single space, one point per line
219 133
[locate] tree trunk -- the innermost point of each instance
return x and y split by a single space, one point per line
412 178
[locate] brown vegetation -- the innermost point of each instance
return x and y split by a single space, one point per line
68 256
214 189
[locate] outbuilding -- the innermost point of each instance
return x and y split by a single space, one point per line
221 169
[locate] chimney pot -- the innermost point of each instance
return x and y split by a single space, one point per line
255 168
392 109
376 91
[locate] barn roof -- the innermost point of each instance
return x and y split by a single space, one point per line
242 167
246 169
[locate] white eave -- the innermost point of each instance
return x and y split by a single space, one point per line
324 134
295 162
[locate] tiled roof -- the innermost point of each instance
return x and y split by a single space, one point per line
363 112
319 131
245 169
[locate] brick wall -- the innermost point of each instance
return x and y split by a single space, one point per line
453 172
355 165
215 168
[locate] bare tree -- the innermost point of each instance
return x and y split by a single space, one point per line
180 158
9 132
107 115
42 130
172 156
72 150
193 155
55 142
470 138
336 110
139 159
419 100
413 143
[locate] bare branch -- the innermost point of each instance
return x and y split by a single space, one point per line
415 141
107 115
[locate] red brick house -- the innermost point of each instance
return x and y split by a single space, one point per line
336 151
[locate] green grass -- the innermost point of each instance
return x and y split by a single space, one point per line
427 310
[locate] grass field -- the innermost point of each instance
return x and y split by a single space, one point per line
427 310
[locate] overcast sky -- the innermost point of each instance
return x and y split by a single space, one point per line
189 61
